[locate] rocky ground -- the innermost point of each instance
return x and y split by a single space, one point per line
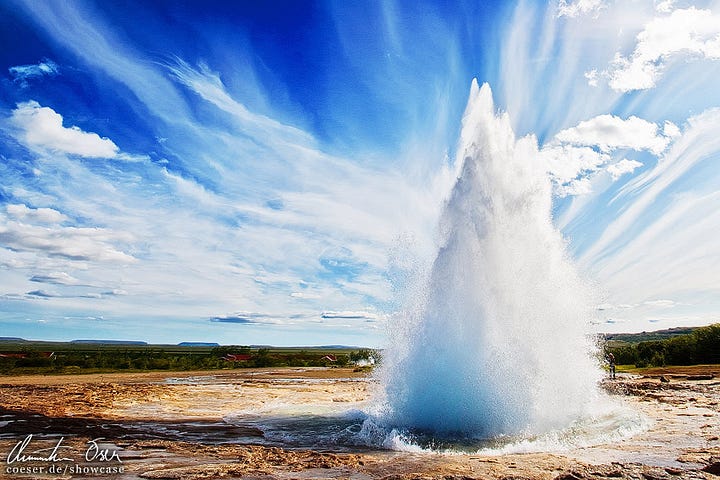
173 426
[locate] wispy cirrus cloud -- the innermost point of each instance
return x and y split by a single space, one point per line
208 85
574 8
80 29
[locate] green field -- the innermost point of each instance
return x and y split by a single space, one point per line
35 357
622 339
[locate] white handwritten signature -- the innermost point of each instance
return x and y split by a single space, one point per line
94 452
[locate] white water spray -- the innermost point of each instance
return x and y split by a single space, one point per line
498 344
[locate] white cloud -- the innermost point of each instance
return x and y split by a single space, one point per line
566 162
576 153
665 6
350 315
40 230
32 196
41 294
23 73
592 77
685 32
248 318
580 186
40 215
72 243
622 167
41 127
671 130
55 278
312 296
579 7
609 132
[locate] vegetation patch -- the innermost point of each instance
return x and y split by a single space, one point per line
700 346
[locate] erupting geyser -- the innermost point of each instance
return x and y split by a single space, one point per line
498 343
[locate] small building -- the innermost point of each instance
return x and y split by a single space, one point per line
237 357
13 355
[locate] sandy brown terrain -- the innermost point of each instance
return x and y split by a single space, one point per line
182 426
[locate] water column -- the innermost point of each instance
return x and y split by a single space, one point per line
498 342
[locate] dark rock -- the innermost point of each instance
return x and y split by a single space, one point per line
713 467
571 475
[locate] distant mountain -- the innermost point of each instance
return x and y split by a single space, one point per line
110 342
338 347
310 347
198 344
649 336
12 339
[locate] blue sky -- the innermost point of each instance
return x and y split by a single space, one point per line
273 172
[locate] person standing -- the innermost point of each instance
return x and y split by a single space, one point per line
611 362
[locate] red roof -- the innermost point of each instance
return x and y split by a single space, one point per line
25 355
237 357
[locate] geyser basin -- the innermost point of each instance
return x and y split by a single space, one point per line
499 345
353 430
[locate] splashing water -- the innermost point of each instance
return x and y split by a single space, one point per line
498 345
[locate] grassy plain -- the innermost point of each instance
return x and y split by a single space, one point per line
35 357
